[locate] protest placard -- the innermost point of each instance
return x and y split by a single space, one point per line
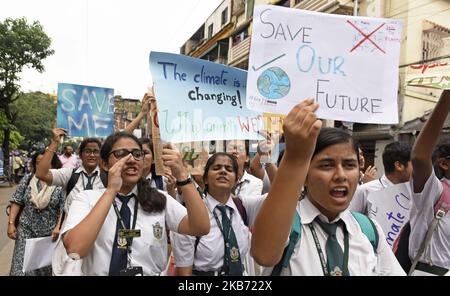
390 207
85 111
200 100
349 65
431 75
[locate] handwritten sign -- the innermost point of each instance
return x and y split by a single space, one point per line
85 111
390 208
200 100
434 75
349 65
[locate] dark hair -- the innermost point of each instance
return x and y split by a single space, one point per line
393 152
87 141
150 199
329 136
56 162
149 142
211 161
442 151
65 146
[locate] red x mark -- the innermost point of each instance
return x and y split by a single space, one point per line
366 36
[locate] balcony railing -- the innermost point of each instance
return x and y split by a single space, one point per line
315 5
240 50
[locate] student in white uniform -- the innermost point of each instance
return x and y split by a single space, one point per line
121 230
207 255
247 184
427 189
329 171
397 169
89 171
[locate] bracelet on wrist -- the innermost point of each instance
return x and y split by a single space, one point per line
184 182
10 222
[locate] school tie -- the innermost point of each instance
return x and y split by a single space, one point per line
119 255
232 258
89 181
335 256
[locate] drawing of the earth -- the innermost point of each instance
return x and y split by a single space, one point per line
273 83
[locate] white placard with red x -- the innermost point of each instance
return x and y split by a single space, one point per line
349 65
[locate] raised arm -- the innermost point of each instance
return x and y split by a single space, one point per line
44 166
196 222
81 238
148 97
272 225
426 141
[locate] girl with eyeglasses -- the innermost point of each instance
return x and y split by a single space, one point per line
121 230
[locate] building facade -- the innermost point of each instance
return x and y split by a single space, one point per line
225 38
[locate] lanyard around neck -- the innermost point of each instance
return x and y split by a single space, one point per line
116 209
323 263
227 236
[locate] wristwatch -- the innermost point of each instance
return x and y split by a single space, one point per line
184 182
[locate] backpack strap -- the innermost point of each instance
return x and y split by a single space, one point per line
104 178
294 237
443 203
72 181
241 209
368 228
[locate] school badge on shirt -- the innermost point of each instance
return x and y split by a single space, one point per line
336 272
234 254
157 230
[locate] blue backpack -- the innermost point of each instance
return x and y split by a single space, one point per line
367 227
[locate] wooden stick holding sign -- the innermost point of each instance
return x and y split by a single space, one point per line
156 137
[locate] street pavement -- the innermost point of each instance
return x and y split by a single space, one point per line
6 244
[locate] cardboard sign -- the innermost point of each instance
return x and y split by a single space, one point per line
85 111
390 207
200 100
349 65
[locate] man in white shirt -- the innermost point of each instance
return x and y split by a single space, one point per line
397 168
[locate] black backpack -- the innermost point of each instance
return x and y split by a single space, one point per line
75 176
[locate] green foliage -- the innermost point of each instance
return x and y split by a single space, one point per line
36 112
15 138
21 45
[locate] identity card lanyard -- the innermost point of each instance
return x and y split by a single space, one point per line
326 272
129 239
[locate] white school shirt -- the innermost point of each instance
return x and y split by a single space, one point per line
361 260
422 213
210 250
251 186
148 251
62 176
359 201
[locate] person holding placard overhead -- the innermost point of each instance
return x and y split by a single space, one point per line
224 249
330 240
429 249
121 230
86 177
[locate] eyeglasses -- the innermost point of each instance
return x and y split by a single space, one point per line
88 151
138 154
147 151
